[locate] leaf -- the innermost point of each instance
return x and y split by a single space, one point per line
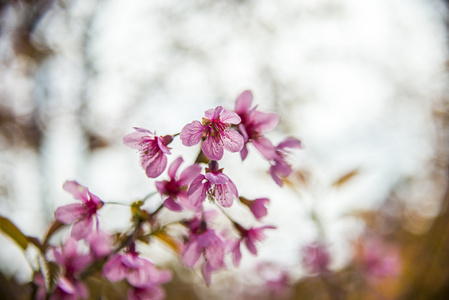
13 232
53 228
168 240
345 178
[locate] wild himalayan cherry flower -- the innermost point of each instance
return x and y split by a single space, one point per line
153 150
203 241
80 213
257 206
250 237
68 285
100 243
253 124
66 289
315 258
215 129
217 186
138 271
280 168
175 189
149 292
69 258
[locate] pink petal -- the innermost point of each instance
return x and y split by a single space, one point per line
265 121
171 204
157 166
212 149
78 191
139 129
290 143
82 228
70 213
137 277
265 148
196 184
243 102
191 254
258 207
216 178
230 117
213 114
206 270
174 167
162 146
65 285
236 253
95 199
189 174
69 249
113 269
244 152
160 185
275 177
192 133
233 141
134 139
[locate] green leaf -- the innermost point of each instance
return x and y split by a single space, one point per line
13 232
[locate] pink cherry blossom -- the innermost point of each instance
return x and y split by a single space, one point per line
138 271
215 185
100 243
315 258
175 189
150 292
280 168
215 129
203 242
257 206
70 259
250 237
153 150
80 213
66 289
253 124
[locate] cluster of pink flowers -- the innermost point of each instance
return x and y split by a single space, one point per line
202 244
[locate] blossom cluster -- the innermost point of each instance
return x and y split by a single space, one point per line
201 244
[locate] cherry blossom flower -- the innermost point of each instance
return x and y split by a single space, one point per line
138 271
153 150
203 241
280 168
257 206
215 185
250 237
70 259
253 124
80 213
150 292
315 258
100 243
66 289
215 128
175 189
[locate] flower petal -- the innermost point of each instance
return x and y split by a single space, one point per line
213 149
191 133
82 228
265 148
233 141
77 190
243 102
213 114
189 174
230 117
290 142
191 254
70 213
265 121
174 167
216 178
171 204
157 166
134 139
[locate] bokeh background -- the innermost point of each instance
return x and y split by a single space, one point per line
363 84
